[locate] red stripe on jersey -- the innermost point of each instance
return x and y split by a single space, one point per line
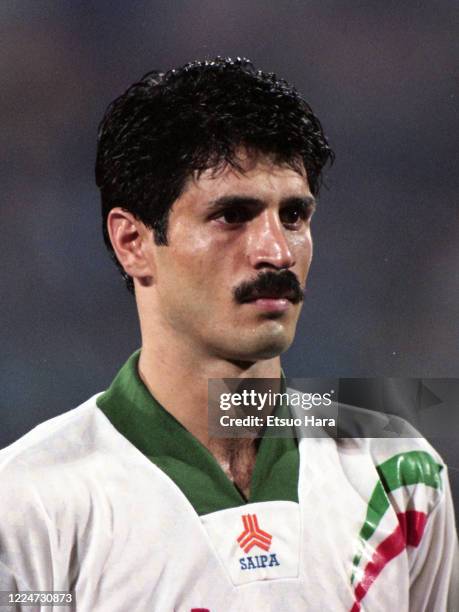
408 533
412 524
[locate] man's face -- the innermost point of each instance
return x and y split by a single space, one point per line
230 280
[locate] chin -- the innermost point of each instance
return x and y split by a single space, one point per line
265 346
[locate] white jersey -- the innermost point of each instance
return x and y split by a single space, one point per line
82 509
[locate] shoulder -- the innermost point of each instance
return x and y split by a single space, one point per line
397 450
384 455
409 468
54 439
55 459
403 471
383 437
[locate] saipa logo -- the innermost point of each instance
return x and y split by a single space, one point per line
253 536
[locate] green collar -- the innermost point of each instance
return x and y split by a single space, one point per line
135 413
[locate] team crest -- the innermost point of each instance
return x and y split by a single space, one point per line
253 536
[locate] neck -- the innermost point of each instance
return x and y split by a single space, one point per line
177 376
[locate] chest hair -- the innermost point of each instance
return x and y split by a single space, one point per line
237 459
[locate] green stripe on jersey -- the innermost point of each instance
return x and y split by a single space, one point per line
404 469
410 468
153 430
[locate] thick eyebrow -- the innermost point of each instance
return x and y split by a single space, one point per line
241 200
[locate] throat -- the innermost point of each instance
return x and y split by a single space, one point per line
237 459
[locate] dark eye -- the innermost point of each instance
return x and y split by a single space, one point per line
293 215
235 214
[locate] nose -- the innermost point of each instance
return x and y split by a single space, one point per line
268 244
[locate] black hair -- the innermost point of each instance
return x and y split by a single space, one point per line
170 125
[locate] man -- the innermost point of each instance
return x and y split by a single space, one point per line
208 177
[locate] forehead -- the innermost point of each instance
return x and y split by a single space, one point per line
259 176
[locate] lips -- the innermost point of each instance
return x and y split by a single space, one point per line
271 305
284 295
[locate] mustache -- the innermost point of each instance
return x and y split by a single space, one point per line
283 284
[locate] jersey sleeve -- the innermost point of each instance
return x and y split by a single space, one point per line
414 479
27 536
435 563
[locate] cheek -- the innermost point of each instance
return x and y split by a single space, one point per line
302 248
195 274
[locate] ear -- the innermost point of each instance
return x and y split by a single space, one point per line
132 242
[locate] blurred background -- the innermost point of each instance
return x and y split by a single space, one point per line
382 297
